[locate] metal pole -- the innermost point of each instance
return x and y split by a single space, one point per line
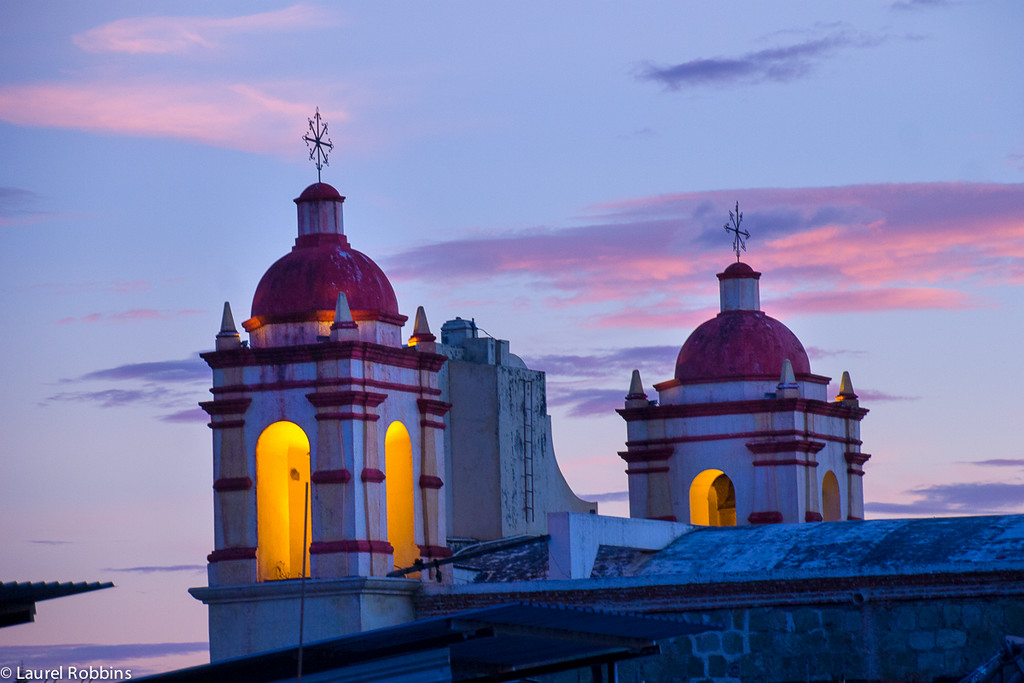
302 581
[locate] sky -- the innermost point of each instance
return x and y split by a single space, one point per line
559 171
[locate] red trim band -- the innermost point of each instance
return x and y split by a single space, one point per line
770 517
226 406
773 434
341 476
646 454
429 481
372 474
649 470
324 382
783 463
429 406
767 447
810 516
331 547
226 424
233 484
323 316
325 351
751 407
337 399
856 458
228 554
434 551
365 417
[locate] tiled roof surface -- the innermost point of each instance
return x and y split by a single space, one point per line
878 547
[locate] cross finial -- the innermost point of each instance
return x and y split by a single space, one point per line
739 236
319 144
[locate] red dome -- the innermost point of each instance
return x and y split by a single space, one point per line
319 192
304 284
739 270
740 344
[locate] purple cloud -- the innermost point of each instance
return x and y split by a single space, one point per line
159 569
817 353
919 4
191 415
152 383
997 462
130 316
780 64
969 498
614 362
588 402
42 656
192 369
609 497
873 396
78 288
110 398
51 542
834 249
18 207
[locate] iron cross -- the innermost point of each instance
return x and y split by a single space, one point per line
319 145
740 236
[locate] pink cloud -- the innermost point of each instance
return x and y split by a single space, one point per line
133 315
77 288
867 300
20 207
663 317
857 248
164 35
231 116
817 353
873 396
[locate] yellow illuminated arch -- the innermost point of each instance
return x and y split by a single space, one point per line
831 510
282 473
398 470
712 499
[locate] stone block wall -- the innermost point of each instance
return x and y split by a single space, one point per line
905 640
928 626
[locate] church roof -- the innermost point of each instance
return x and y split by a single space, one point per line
870 548
889 547
319 192
740 345
304 284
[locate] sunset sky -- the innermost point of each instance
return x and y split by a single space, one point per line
559 171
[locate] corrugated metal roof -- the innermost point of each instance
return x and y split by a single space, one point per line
490 644
18 599
40 590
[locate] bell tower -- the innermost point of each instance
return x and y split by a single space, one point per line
324 395
744 433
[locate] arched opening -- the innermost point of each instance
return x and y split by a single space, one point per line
831 511
282 473
712 499
401 516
